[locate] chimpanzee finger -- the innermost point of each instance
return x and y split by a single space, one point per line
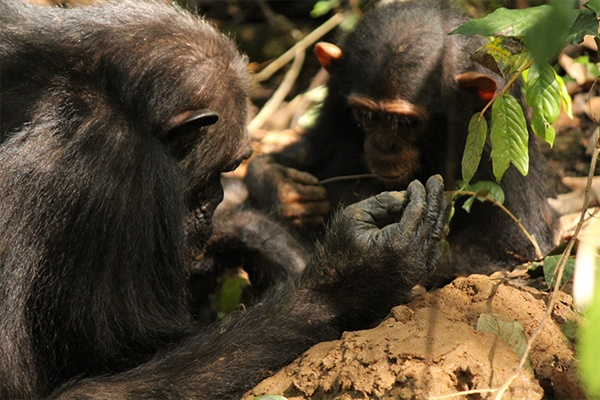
301 176
430 227
376 210
311 192
426 231
415 209
441 217
305 221
308 209
290 192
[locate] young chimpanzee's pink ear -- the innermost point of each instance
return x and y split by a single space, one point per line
479 83
328 54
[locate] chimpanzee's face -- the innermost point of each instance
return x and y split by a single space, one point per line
393 130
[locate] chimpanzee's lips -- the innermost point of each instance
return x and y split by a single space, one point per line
198 225
390 178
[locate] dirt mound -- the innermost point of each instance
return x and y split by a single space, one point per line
431 347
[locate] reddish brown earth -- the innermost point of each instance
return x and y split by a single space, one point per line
431 347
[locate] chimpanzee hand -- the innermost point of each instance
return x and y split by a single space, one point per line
293 195
378 249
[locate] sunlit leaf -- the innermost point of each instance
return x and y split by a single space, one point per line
509 136
541 127
503 22
504 55
550 264
565 98
512 333
478 128
348 24
322 7
309 118
543 91
269 397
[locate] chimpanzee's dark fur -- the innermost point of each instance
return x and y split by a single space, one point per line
106 144
244 238
403 51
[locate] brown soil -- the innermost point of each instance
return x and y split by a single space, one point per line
430 348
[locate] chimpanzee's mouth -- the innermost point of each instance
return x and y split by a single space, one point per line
198 223
393 181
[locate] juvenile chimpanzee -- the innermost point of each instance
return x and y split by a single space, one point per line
401 94
116 121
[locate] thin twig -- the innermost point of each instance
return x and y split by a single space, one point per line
538 252
506 87
347 178
460 394
275 101
302 45
561 267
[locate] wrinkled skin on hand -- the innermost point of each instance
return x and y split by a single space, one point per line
379 248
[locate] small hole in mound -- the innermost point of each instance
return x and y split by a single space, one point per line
464 381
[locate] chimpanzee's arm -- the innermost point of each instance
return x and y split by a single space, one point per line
375 251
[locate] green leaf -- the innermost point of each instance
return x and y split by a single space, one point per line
229 295
565 98
504 55
468 204
550 264
584 23
548 33
482 189
593 5
322 7
541 127
543 91
588 346
503 22
509 136
348 24
487 188
512 333
478 128
589 65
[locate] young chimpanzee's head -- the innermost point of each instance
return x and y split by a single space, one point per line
408 86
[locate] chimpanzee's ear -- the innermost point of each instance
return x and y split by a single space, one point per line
194 120
328 54
480 84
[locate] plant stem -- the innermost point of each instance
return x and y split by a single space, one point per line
538 252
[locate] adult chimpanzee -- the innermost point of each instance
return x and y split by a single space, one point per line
401 94
116 119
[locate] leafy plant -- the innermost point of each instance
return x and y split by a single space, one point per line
521 47
550 265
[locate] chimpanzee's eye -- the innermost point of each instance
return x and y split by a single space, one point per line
366 117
